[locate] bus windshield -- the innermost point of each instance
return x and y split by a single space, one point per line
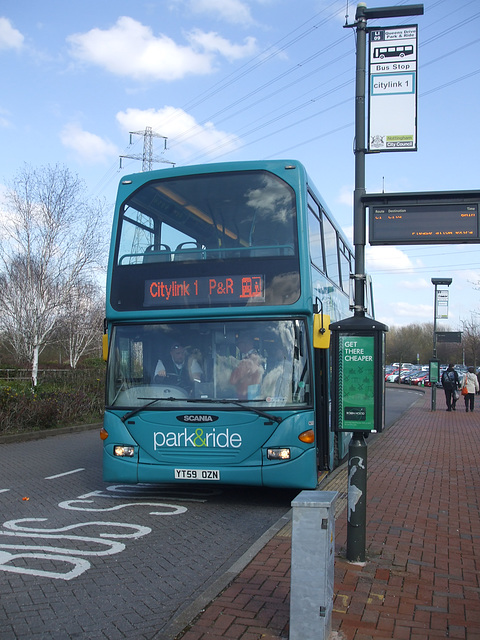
219 239
260 363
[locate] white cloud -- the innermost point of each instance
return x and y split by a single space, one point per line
4 119
10 38
131 49
414 312
184 134
232 11
214 43
346 196
348 232
88 146
386 258
419 283
464 279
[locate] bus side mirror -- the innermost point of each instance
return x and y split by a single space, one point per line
321 331
105 346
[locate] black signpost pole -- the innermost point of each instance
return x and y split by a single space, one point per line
436 282
357 484
434 386
359 218
357 450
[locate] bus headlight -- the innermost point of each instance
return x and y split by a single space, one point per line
123 451
280 453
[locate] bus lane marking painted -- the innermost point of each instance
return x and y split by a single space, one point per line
73 556
138 495
169 509
79 565
139 530
56 554
114 547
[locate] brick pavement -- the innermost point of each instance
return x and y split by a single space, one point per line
421 580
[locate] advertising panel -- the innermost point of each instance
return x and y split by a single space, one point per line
356 383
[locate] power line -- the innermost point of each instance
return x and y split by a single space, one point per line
308 60
185 136
290 39
259 60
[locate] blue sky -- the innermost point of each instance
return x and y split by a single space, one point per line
246 79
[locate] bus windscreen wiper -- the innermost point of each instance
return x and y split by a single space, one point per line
133 412
259 412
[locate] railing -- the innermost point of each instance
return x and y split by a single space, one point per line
46 374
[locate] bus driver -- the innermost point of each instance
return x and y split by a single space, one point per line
179 368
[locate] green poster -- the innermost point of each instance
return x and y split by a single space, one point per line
356 383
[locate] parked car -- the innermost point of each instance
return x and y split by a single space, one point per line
393 377
421 380
390 377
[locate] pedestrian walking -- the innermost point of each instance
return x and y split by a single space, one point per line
450 383
472 386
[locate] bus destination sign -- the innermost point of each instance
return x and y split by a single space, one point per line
447 223
204 290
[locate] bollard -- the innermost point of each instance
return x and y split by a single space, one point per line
313 555
357 498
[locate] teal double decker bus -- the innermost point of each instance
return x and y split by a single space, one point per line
221 282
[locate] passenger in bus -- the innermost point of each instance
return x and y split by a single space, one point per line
182 368
248 374
277 383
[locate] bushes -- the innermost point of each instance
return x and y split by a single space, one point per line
62 401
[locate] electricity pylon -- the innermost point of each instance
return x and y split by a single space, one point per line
147 157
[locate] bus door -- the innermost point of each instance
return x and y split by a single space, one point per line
322 410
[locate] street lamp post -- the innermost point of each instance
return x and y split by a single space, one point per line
436 282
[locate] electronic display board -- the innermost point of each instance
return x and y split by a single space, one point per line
203 290
423 223
449 336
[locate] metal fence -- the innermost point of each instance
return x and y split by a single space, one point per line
50 375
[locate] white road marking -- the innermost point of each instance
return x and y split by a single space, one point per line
67 473
56 555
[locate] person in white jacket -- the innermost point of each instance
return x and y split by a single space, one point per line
471 382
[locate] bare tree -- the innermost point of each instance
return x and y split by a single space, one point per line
51 239
471 339
409 343
415 342
80 329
